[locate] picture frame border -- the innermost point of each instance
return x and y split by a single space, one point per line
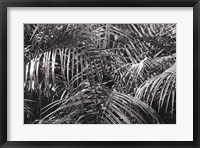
99 3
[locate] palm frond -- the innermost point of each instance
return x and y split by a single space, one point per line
160 92
100 106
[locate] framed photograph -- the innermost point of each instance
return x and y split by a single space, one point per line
99 73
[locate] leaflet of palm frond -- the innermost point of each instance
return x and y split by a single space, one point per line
124 37
28 29
170 58
101 38
81 67
50 36
27 108
97 70
31 81
46 68
90 106
98 58
167 36
136 52
147 30
169 29
130 76
159 92
69 61
146 112
160 64
70 101
154 34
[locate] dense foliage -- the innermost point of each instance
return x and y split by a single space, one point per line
100 73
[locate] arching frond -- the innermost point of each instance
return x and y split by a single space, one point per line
160 92
100 106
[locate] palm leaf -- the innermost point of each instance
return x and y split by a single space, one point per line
159 92
98 106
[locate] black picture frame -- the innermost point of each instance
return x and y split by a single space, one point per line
99 3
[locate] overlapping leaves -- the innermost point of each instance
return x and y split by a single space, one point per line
136 60
99 106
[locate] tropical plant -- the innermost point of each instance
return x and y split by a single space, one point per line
100 73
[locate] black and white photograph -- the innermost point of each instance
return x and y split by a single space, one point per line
100 73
